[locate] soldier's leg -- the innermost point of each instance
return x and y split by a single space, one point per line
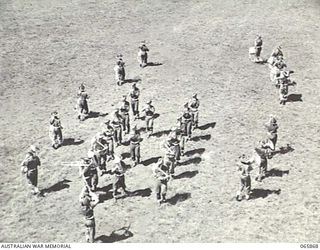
137 109
115 186
189 129
247 187
127 118
151 125
111 148
158 190
182 143
132 152
196 119
32 179
164 188
242 186
60 139
120 135
137 153
94 181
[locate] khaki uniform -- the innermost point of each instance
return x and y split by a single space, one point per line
124 112
134 97
194 110
162 175
149 117
30 168
55 132
143 56
82 104
135 139
244 169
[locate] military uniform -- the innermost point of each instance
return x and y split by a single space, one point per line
99 147
82 103
172 151
29 167
134 96
108 133
162 175
55 130
143 55
117 126
120 73
272 132
194 110
244 169
119 178
87 203
124 112
149 117
135 139
90 174
261 160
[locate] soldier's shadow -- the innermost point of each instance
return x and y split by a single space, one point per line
276 172
195 160
94 114
141 192
56 187
294 98
180 197
133 80
105 193
187 174
201 138
262 193
208 125
152 64
194 151
150 161
284 150
117 235
72 141
161 133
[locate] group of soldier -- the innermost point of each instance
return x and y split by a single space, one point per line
266 148
279 73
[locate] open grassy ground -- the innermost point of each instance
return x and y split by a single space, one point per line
49 47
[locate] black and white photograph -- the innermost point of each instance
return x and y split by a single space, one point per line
159 121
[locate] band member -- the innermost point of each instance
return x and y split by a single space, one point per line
244 168
143 55
82 103
162 175
149 111
55 130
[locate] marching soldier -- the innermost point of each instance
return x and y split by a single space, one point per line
108 136
119 71
89 174
258 46
82 103
119 179
124 112
134 96
55 130
99 149
149 111
29 167
162 175
135 139
193 105
186 122
272 134
116 124
277 52
88 201
170 147
143 55
244 168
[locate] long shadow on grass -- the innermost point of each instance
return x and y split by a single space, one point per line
194 151
208 125
117 235
180 197
277 172
105 193
95 114
161 133
187 174
263 193
56 187
201 138
150 161
195 160
294 98
72 141
284 150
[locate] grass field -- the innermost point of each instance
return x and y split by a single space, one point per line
48 48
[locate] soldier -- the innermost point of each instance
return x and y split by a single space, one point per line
55 130
162 175
134 96
143 55
119 180
244 168
88 201
89 173
258 47
193 105
82 103
170 147
135 139
149 111
119 71
277 52
116 124
260 158
29 167
272 134
124 112
185 124
283 93
99 149
108 136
